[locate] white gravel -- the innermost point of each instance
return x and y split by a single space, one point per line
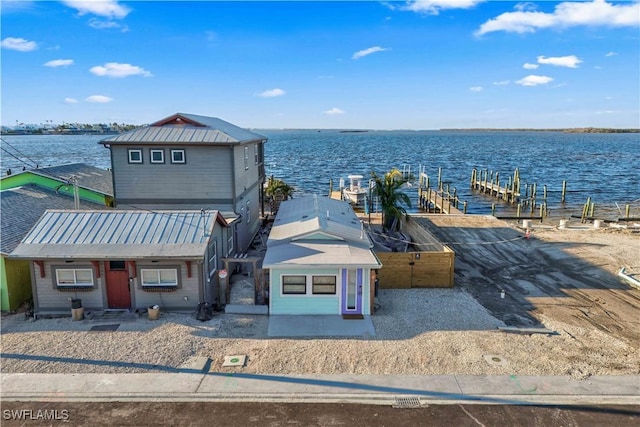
418 331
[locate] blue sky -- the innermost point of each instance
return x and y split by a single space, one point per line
378 65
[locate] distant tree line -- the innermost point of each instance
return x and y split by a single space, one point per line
567 130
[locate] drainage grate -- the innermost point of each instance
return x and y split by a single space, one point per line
407 402
104 328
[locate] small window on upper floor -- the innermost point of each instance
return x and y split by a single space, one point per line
135 155
246 158
157 156
177 156
256 154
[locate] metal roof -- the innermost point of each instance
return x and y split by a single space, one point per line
22 207
318 231
88 177
119 234
205 130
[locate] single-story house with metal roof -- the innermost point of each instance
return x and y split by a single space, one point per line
119 259
320 260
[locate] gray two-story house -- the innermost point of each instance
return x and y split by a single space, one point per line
188 161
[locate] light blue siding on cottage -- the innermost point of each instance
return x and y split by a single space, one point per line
303 304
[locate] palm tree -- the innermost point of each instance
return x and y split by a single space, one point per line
392 200
277 190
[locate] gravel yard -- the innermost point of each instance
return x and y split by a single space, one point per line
418 331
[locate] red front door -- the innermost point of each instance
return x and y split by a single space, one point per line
118 293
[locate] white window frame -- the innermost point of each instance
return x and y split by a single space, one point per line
158 272
248 211
130 151
153 151
173 159
246 157
284 285
213 257
75 283
229 240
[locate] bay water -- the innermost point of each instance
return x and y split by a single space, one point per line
603 166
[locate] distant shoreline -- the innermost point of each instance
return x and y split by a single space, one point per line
567 130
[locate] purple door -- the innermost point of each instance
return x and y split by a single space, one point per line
351 291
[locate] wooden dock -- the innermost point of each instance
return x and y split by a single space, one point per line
438 201
486 183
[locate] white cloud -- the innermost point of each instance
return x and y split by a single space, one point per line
59 63
612 54
502 83
333 112
271 93
476 89
100 24
433 7
565 15
533 80
529 66
115 69
99 99
106 8
570 61
369 51
19 44
68 100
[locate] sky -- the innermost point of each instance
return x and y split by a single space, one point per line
417 65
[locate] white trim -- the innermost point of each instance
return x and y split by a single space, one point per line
153 151
158 273
134 150
75 282
184 157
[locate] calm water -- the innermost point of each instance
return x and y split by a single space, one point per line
605 167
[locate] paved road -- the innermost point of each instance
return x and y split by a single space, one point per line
312 414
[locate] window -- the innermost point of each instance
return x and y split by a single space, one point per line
177 156
246 158
213 256
294 285
157 156
255 153
325 285
75 278
135 156
229 240
248 212
157 277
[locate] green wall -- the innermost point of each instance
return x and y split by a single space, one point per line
15 283
26 178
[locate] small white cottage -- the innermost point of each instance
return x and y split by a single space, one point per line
320 260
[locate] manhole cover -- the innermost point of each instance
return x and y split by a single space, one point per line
234 360
407 402
493 359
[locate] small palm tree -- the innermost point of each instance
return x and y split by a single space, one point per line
392 199
277 190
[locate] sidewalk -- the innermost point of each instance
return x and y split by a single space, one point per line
412 390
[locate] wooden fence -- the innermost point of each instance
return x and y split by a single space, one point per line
404 270
431 266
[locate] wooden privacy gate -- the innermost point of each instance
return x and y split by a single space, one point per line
404 270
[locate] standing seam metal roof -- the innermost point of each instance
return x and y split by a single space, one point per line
82 234
211 131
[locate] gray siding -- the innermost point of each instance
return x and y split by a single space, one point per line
205 175
190 288
51 299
